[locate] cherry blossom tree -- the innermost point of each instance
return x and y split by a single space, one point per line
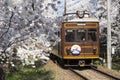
31 25
26 30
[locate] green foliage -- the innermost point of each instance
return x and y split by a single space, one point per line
116 63
116 66
30 73
96 62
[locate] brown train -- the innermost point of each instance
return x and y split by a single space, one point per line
79 43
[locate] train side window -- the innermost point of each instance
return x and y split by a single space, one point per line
81 35
92 35
70 35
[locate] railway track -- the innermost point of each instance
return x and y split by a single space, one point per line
113 77
93 74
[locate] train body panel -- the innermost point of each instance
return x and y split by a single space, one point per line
79 41
57 50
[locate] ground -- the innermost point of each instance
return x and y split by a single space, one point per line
60 73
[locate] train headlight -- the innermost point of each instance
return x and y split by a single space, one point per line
94 51
68 51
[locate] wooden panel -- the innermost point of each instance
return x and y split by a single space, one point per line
87 47
81 57
85 50
83 25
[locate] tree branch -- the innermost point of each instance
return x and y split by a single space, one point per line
9 25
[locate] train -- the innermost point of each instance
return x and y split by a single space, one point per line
79 44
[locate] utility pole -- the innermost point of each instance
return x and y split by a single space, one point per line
109 34
64 7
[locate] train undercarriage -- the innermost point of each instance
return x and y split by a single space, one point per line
71 62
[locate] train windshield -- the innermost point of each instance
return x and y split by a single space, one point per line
70 35
92 35
77 35
80 35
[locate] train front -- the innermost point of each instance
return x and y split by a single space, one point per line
80 41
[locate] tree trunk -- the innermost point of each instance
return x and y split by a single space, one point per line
2 74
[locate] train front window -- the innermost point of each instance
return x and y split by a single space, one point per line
70 35
80 35
92 35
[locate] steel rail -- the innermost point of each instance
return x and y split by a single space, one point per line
105 73
81 76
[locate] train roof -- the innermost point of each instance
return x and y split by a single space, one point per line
84 20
